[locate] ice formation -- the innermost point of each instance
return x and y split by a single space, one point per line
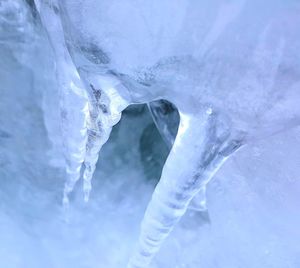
231 68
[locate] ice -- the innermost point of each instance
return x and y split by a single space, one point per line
166 118
233 83
73 100
105 112
214 122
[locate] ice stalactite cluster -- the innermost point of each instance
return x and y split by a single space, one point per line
87 111
231 80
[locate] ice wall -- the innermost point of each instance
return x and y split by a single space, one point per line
260 184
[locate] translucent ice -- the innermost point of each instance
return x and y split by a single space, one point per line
230 67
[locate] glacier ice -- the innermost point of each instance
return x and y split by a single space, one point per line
233 82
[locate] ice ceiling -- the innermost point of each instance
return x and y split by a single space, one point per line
230 71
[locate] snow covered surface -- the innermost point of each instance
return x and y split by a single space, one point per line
253 201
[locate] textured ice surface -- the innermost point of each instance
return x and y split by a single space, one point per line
253 200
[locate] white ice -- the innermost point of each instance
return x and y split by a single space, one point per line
233 81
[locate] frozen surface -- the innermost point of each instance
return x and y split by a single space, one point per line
253 201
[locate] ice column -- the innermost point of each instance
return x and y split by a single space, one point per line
73 96
201 146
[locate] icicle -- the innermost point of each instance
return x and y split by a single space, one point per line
74 100
86 124
96 139
99 128
201 147
105 111
166 118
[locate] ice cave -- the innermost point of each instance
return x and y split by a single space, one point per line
149 134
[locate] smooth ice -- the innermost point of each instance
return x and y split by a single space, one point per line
65 81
